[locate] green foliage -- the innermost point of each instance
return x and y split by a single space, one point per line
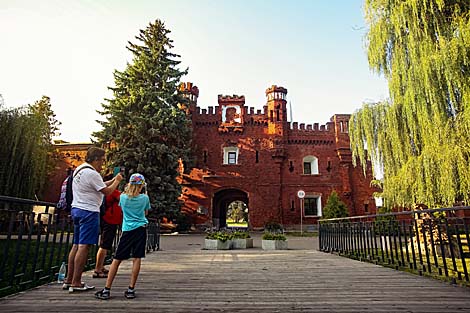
237 212
144 128
26 151
420 137
183 222
274 236
273 227
219 235
334 207
239 234
386 224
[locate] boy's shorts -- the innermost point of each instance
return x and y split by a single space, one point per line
108 232
86 226
133 243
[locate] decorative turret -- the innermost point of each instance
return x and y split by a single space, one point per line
276 109
191 92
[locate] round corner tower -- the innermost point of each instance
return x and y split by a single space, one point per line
276 109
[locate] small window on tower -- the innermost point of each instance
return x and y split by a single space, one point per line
257 156
307 168
310 165
232 158
205 156
230 155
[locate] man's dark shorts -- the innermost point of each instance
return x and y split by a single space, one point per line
108 233
132 244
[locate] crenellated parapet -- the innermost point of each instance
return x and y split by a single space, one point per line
233 99
295 127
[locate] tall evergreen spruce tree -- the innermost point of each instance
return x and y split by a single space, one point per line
144 127
421 136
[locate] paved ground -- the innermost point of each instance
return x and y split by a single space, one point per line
184 278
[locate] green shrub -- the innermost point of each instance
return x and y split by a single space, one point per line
273 236
334 208
183 222
239 234
273 227
219 235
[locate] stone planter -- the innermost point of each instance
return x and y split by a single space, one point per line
274 244
213 244
242 243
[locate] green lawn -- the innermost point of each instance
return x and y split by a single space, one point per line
233 224
36 263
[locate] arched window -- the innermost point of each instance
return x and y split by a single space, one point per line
310 165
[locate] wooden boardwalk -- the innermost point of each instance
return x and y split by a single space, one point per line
184 278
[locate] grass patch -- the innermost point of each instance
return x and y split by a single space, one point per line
233 224
431 269
26 264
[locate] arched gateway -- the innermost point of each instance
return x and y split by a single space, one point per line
220 203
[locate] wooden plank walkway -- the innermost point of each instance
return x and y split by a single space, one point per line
184 278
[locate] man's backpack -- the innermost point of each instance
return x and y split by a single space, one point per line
66 193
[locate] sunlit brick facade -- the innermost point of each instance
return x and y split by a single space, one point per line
258 157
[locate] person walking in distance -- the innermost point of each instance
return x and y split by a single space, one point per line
88 189
109 222
135 206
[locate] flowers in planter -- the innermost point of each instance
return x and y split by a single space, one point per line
273 231
274 236
219 235
273 227
240 234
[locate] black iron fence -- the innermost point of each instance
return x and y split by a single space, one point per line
35 239
426 242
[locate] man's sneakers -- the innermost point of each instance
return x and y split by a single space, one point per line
103 294
83 287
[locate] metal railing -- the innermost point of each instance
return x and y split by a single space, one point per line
426 242
35 239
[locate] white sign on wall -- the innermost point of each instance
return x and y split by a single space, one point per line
301 194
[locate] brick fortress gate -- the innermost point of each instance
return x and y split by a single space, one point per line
259 158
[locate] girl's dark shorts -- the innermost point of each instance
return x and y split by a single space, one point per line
108 232
132 244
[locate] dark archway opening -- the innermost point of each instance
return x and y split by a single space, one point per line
221 202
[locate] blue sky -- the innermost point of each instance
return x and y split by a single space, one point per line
68 50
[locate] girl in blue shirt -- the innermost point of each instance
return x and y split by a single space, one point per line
135 207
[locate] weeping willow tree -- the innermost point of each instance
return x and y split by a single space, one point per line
26 152
420 137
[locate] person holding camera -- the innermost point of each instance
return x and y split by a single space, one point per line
135 206
88 189
110 221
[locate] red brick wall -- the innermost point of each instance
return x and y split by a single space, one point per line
270 184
